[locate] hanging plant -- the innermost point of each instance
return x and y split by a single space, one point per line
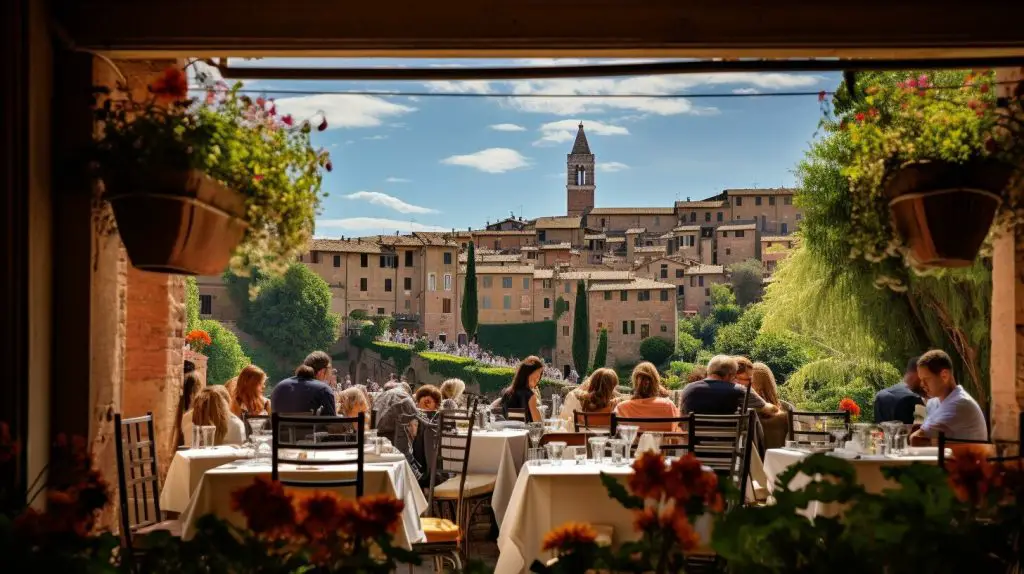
197 186
932 168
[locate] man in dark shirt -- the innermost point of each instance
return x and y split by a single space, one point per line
897 403
307 392
718 394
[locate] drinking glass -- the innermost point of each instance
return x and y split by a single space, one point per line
628 434
535 431
618 447
597 444
555 451
580 454
839 431
543 411
899 442
889 432
535 455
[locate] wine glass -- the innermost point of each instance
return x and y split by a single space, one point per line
838 430
535 431
628 434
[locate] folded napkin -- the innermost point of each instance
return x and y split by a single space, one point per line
647 443
845 454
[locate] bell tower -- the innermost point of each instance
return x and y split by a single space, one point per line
579 184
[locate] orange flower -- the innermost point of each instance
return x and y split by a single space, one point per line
849 405
648 478
686 478
380 514
318 514
646 519
266 507
569 536
198 336
172 85
970 473
685 534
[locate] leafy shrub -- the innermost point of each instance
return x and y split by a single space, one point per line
358 314
191 304
738 338
783 353
419 345
820 385
601 354
225 358
747 278
703 357
399 353
517 339
490 379
447 365
687 346
726 314
656 349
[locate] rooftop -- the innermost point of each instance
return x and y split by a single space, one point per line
598 275
580 146
636 230
514 232
738 227
590 236
650 249
491 258
639 284
501 269
784 238
686 228
705 270
554 246
765 191
528 248
616 240
344 246
701 204
633 211
559 222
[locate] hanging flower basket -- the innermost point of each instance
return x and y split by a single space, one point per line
177 221
943 210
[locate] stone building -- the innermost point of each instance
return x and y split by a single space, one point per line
697 287
737 242
631 312
579 181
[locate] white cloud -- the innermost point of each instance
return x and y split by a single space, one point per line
565 131
611 166
375 224
342 110
491 160
508 128
397 180
376 137
389 201
746 91
655 85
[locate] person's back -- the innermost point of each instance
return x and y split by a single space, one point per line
391 405
517 399
713 397
896 403
302 395
649 408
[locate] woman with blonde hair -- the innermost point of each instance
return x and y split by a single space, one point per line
774 425
213 408
598 394
648 400
248 395
353 401
451 392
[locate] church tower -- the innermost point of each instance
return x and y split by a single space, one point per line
579 185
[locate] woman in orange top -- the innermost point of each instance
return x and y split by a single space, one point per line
648 400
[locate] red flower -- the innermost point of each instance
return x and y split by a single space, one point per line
257 178
288 120
273 109
821 96
860 116
850 406
266 506
172 85
380 514
569 536
198 336
260 102
648 478
319 514
973 104
983 88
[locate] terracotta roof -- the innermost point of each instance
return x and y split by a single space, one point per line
491 258
588 237
514 232
738 227
786 238
543 273
344 246
528 248
686 228
559 222
553 246
668 235
701 204
636 230
650 249
766 191
616 239
633 211
634 285
599 275
504 270
705 270
435 239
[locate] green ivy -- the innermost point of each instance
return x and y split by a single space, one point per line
448 366
517 339
225 356
191 304
399 353
490 379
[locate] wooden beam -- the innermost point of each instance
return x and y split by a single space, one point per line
477 28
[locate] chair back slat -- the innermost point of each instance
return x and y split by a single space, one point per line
813 426
451 453
318 441
569 438
723 443
673 442
1000 449
137 476
588 421
516 414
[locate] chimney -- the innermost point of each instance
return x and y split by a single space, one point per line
359 239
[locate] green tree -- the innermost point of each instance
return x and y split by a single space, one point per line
782 352
724 308
581 331
722 294
291 314
470 311
738 338
225 358
561 306
821 384
191 304
687 346
656 350
747 278
601 354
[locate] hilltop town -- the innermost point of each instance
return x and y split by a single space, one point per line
643 267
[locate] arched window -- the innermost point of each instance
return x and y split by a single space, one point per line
581 175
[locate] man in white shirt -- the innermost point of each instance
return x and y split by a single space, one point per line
957 414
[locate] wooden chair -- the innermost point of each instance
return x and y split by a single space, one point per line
278 443
723 443
999 449
447 538
675 445
810 419
589 421
569 438
136 470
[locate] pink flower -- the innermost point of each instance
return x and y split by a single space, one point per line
287 120
911 83
922 81
260 102
821 96
273 109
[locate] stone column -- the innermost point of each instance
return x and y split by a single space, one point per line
1007 363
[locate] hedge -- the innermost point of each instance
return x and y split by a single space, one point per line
490 379
401 354
446 365
517 339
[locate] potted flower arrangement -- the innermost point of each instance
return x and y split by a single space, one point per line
198 340
198 185
936 159
849 405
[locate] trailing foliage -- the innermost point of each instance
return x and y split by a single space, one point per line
490 379
820 385
581 331
517 339
399 353
747 278
446 365
225 356
470 309
601 354
656 349
191 304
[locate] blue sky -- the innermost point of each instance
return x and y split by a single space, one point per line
410 163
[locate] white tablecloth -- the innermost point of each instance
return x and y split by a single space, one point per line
187 469
547 496
213 495
869 474
500 453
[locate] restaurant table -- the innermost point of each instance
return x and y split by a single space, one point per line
868 472
547 496
187 469
500 453
394 478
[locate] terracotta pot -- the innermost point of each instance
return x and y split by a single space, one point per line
177 221
944 210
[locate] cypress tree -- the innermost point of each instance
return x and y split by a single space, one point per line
601 354
581 331
470 311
